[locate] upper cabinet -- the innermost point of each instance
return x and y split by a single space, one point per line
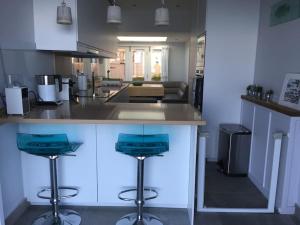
32 25
89 32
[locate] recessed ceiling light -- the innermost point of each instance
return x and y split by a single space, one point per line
142 39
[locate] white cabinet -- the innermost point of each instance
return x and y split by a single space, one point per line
264 122
32 25
89 32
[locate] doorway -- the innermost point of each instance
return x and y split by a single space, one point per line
140 63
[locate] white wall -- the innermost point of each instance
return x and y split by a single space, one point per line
278 53
10 169
278 50
24 65
232 29
177 62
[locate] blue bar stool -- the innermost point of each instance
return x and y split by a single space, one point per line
51 147
141 147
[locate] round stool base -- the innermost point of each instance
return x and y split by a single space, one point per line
131 219
66 217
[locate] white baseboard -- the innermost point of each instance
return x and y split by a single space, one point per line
14 216
286 210
258 185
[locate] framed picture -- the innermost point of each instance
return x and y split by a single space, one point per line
284 11
290 94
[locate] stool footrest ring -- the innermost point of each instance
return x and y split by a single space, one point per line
40 194
152 190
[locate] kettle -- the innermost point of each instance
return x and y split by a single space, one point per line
49 87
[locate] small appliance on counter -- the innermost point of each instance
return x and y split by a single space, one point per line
82 82
64 95
49 88
17 100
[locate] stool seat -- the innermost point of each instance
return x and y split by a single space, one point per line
51 146
46 145
142 145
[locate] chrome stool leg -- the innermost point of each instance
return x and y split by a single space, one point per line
56 216
140 218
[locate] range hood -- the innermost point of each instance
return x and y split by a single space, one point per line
87 51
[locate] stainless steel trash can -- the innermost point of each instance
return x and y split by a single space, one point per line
234 149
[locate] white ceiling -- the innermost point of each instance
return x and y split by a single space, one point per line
138 19
152 4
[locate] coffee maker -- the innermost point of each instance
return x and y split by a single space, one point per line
49 87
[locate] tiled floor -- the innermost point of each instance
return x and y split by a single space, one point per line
109 216
244 219
223 191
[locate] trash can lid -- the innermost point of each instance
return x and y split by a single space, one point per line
234 129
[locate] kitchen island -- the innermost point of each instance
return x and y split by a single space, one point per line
98 170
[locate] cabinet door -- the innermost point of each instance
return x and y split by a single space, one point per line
48 34
258 156
93 29
278 123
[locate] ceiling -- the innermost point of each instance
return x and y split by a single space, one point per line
153 4
138 19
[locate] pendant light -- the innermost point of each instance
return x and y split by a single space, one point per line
162 15
114 13
64 14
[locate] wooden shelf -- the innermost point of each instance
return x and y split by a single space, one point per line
273 106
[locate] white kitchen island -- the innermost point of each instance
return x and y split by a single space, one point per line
98 170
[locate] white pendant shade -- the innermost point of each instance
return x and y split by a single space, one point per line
64 14
114 14
162 17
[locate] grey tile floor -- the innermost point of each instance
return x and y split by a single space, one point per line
244 219
109 216
223 191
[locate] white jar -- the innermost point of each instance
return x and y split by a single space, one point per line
82 82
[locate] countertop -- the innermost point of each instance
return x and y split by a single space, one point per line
93 111
273 106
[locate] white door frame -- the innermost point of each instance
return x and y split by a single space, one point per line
273 187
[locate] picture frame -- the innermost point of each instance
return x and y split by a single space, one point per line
284 11
290 93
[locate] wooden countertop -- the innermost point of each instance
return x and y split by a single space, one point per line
273 106
88 111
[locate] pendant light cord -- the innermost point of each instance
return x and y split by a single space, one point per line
163 3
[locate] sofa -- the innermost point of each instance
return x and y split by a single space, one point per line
175 92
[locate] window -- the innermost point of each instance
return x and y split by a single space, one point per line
138 64
156 64
117 65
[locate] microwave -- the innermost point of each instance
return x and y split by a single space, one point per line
17 100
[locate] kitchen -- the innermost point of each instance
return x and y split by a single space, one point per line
30 47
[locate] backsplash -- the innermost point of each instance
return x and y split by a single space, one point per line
23 66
